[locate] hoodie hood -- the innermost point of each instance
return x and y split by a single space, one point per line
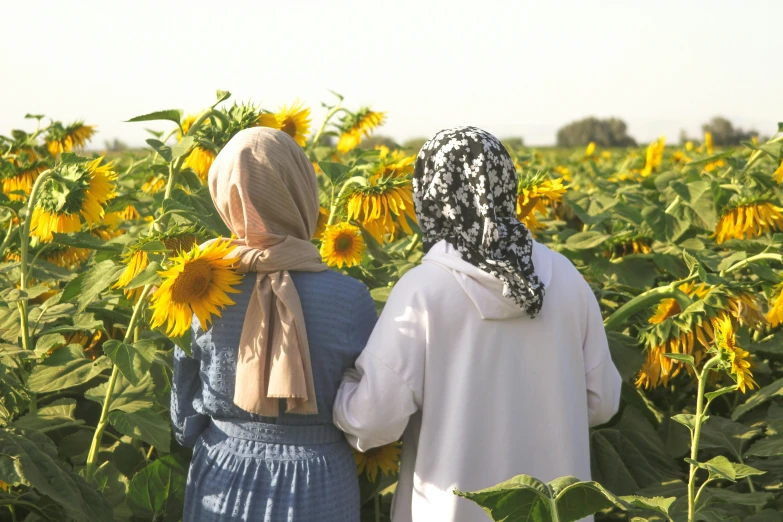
484 289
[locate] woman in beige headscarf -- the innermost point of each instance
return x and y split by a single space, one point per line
256 398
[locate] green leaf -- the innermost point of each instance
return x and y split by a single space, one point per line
744 499
148 276
54 416
49 376
626 355
717 393
767 447
630 455
12 295
84 240
334 171
688 420
380 296
159 488
222 96
585 240
30 458
161 148
133 360
722 433
145 424
94 281
523 497
182 147
125 397
760 397
658 504
171 115
682 357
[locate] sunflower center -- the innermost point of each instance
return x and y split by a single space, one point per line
343 243
289 127
192 282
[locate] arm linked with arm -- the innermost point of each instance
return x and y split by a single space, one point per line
376 399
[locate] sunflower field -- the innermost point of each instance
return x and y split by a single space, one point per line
101 273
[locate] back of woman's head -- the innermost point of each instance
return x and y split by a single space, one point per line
264 187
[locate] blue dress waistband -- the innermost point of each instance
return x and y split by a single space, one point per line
279 433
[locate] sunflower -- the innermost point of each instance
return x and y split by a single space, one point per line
136 263
129 213
708 142
21 182
749 220
383 207
154 185
342 244
535 195
590 149
82 189
181 240
775 314
778 174
200 160
672 333
187 122
384 458
725 342
639 244
356 125
293 120
67 257
323 220
198 282
653 157
65 139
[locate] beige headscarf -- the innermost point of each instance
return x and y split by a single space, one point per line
265 189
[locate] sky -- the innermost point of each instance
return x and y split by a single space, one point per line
515 68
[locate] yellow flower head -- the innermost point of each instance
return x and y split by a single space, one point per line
384 458
67 257
778 174
82 189
654 156
725 342
590 149
694 340
198 282
748 221
708 142
342 244
154 185
293 120
357 125
200 160
537 195
382 206
323 219
21 181
186 123
775 314
65 139
689 146
136 263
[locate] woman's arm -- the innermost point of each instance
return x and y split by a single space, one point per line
376 399
603 380
186 421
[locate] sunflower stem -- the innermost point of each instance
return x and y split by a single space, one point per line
701 411
754 157
329 115
8 234
751 259
377 508
644 300
104 419
24 248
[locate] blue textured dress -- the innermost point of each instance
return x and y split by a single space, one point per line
253 468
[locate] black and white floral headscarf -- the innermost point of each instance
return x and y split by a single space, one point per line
465 191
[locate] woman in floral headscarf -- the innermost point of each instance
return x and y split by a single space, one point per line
490 359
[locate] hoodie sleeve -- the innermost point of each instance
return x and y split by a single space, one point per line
376 398
602 378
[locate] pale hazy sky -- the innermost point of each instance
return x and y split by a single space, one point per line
514 68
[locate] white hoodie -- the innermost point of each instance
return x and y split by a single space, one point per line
479 391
